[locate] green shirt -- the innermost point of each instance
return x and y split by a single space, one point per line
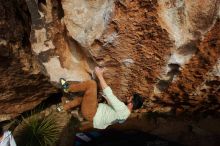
113 112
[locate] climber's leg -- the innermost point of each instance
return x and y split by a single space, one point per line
89 101
72 103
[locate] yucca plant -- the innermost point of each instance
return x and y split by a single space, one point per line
38 131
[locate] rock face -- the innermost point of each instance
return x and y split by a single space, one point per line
166 50
59 54
191 72
22 85
87 19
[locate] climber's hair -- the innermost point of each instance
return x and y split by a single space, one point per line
137 101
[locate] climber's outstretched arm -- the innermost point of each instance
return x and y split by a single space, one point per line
99 73
109 96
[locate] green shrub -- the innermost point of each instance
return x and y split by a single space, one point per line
38 131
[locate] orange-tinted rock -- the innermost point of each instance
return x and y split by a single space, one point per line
22 86
165 50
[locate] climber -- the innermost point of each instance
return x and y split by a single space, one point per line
101 115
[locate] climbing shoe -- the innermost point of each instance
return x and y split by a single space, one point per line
64 85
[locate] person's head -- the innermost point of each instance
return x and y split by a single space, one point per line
134 102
